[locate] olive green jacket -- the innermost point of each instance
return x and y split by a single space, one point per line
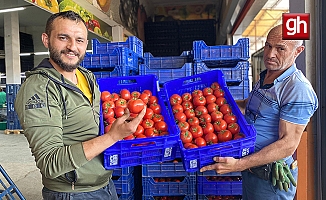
57 117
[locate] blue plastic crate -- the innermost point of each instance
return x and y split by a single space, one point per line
188 197
165 169
214 173
164 74
234 74
194 159
127 153
125 171
129 196
221 55
208 187
168 62
239 92
124 184
120 56
132 43
8 189
186 187
12 88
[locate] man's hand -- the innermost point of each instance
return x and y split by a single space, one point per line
282 176
223 165
124 125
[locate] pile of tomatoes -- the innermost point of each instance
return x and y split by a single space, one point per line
204 117
114 104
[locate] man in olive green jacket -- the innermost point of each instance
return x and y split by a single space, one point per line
58 107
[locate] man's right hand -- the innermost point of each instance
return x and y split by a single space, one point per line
125 126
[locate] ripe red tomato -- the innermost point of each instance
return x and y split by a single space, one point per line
125 94
149 114
161 126
212 107
148 92
207 128
234 128
114 96
205 118
187 105
185 145
139 130
129 137
108 104
186 137
200 142
196 131
211 138
121 103
180 117
183 126
157 117
199 101
220 101
140 136
151 132
186 96
105 95
107 128
118 111
135 105
110 120
193 121
107 113
189 113
177 108
196 93
192 146
230 118
219 93
155 107
147 123
224 135
207 91
210 99
135 95
144 97
152 99
219 125
215 86
225 109
175 99
216 115
199 110
238 136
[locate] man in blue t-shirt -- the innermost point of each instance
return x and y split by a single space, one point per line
279 106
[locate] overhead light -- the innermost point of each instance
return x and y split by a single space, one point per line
12 9
41 53
25 54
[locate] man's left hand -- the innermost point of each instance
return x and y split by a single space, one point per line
223 165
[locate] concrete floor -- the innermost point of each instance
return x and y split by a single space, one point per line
18 162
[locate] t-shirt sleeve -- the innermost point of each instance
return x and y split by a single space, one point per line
299 102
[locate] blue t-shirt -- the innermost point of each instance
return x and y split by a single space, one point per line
290 98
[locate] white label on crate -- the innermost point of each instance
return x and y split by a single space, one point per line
245 151
193 163
168 152
113 160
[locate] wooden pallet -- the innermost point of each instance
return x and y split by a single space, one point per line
15 131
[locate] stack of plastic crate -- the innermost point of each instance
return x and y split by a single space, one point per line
168 180
12 118
124 182
167 68
114 59
211 185
230 59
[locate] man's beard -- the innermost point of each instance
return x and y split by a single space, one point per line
56 57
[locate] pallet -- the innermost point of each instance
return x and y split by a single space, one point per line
15 131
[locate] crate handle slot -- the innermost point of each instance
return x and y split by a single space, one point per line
192 81
144 144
